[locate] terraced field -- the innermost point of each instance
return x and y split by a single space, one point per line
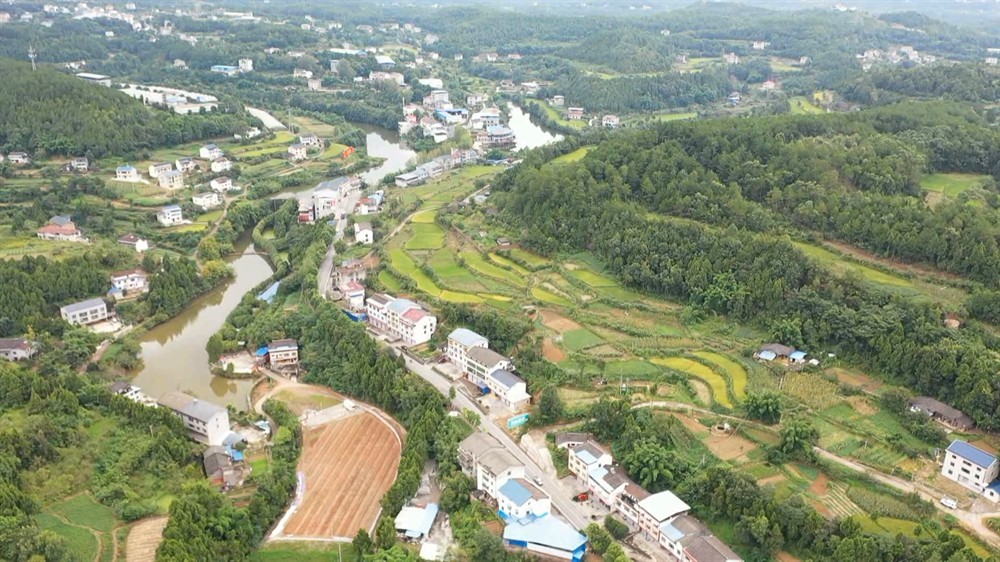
718 385
426 236
549 297
737 374
476 262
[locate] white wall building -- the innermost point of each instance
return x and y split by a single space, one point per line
85 312
207 201
246 65
16 349
206 422
482 361
970 466
125 173
156 169
221 165
130 280
222 184
484 458
401 318
460 341
363 233
211 152
519 498
172 179
170 215
584 458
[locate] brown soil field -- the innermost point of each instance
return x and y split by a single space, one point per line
144 538
552 352
866 383
348 465
300 398
862 405
557 322
702 390
776 479
819 485
728 447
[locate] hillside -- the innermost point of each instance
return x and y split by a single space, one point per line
50 111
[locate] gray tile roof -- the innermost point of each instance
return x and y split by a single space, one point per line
506 378
190 406
83 305
486 356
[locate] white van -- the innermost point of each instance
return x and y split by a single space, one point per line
949 502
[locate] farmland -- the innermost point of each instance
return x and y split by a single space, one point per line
348 464
951 184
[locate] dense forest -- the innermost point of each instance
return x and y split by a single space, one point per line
632 200
56 113
962 82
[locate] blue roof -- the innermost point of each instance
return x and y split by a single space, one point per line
796 355
515 492
545 531
125 168
172 208
269 293
210 146
995 486
466 337
671 532
416 522
767 355
971 453
585 456
261 351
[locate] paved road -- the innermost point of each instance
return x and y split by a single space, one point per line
345 205
561 501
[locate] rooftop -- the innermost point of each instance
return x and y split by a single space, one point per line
170 208
400 306
571 437
971 453
190 406
83 305
486 356
710 549
664 505
506 378
778 349
416 522
467 337
545 531
519 491
499 460
281 345
933 406
479 443
14 343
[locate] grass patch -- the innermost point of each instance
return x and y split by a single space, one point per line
696 369
389 281
838 262
592 278
737 374
456 297
81 543
951 184
674 116
801 105
476 262
211 216
533 260
549 297
581 338
574 156
426 236
424 217
305 552
631 368
451 273
83 510
510 263
560 118
406 267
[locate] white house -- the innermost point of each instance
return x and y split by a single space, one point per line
19 158
686 538
354 294
126 173
130 280
325 202
585 457
173 179
170 215
574 113
16 349
559 100
657 509
363 233
481 362
221 165
759 45
606 484
491 465
222 184
509 388
298 151
205 422
63 231
207 201
301 73
610 121
460 341
156 169
401 318
140 244
79 164
186 165
246 65
210 152
85 312
970 466
310 139
283 353
517 498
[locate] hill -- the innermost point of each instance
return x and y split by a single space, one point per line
52 112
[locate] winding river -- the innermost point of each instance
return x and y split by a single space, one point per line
173 353
384 143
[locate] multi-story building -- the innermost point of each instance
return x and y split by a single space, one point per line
206 422
221 165
688 540
171 179
222 184
509 389
460 342
400 318
156 169
126 173
970 466
483 361
519 499
79 164
246 65
16 349
354 295
211 152
283 353
657 509
85 312
606 484
186 165
170 215
207 200
298 151
488 463
130 280
583 458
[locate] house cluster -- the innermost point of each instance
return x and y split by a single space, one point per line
894 55
61 228
973 468
179 101
127 283
170 176
371 203
325 197
300 150
437 117
400 319
501 481
457 158
661 517
783 354
490 371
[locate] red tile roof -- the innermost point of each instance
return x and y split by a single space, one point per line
414 314
68 230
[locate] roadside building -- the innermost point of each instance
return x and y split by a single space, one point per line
483 361
510 389
400 318
363 233
16 349
570 439
354 295
657 509
547 536
489 463
206 422
460 341
283 353
517 499
970 466
85 312
584 458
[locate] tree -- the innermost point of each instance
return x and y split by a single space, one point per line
455 494
550 407
599 538
798 437
617 529
362 543
764 406
650 464
385 533
616 553
215 347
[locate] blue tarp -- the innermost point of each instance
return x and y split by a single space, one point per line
269 293
356 316
262 351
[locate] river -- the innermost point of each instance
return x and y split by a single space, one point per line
173 353
529 134
384 143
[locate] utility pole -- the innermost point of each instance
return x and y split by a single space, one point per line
31 55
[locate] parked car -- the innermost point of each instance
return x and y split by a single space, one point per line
949 502
581 497
538 481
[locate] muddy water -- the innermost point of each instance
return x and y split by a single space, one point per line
173 353
529 134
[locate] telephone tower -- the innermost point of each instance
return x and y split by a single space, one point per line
31 55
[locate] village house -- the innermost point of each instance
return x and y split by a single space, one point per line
302 73
354 295
400 318
483 458
481 362
206 201
246 65
126 173
941 412
170 215
970 466
185 165
173 179
139 244
774 351
210 152
221 165
222 184
130 280
759 45
499 137
731 58
583 458
574 113
363 233
156 169
85 312
206 422
460 341
548 536
349 270
610 121
686 538
16 349
518 499
559 100
99 79
79 164
310 139
19 158
283 353
768 85
570 439
222 468
297 152
410 179
60 228
509 389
